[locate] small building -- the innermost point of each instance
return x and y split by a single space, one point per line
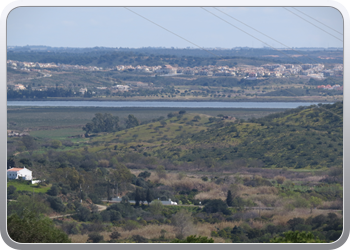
19 87
83 90
15 173
121 87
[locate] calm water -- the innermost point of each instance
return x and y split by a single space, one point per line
157 104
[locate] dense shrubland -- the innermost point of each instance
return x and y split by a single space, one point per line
224 174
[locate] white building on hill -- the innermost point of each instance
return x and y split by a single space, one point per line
15 173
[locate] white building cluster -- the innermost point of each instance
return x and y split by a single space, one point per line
248 71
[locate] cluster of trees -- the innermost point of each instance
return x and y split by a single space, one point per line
108 123
102 123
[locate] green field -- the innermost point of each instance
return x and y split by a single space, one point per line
24 186
57 134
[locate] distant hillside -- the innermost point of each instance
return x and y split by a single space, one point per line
306 137
299 138
107 57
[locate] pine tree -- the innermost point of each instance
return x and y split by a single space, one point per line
149 196
137 197
229 200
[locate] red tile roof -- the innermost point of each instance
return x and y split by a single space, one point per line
15 169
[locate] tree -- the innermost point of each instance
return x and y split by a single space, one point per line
28 142
149 196
181 112
83 213
156 207
197 118
314 202
144 174
53 191
182 221
137 197
102 123
30 228
56 204
296 237
170 115
229 200
115 235
131 121
215 206
88 128
139 239
95 237
119 175
56 144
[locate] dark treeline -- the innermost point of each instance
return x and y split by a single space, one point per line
151 57
51 92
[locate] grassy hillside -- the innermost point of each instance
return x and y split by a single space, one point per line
308 137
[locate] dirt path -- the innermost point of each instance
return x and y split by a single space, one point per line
100 208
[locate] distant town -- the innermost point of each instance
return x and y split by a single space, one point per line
248 72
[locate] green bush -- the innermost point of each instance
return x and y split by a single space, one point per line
53 191
56 204
95 237
139 239
29 228
215 206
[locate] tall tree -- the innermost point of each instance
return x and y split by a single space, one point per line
137 197
149 196
229 200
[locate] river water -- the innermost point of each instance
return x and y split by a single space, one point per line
158 104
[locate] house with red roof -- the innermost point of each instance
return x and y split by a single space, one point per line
15 173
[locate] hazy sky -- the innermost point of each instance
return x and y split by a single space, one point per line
118 27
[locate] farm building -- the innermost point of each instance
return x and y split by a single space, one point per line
15 173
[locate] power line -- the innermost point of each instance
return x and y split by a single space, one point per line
170 31
250 35
229 24
263 33
317 20
219 56
312 24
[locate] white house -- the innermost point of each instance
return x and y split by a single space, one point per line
15 173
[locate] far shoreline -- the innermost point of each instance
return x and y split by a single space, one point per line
178 100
